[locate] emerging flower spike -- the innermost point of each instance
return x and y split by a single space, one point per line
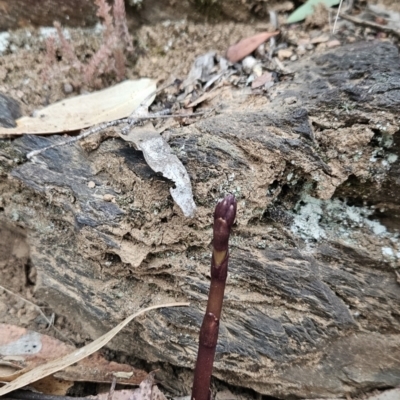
224 217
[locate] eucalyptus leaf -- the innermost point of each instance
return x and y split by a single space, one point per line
308 8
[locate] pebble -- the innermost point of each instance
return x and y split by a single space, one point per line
260 51
91 185
290 100
248 64
109 197
333 43
320 39
284 53
68 88
301 50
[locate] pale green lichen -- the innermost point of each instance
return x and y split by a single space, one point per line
316 220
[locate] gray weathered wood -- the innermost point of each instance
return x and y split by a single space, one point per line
310 311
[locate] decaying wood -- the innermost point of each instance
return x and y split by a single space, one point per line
311 310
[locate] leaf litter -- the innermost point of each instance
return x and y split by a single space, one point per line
65 361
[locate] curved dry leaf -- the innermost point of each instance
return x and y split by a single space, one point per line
86 110
246 46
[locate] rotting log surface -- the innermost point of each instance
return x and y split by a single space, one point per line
311 310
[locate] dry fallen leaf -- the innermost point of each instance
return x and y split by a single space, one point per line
86 110
160 158
246 46
65 361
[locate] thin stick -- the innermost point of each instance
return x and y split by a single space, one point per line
106 125
70 141
275 26
337 16
112 388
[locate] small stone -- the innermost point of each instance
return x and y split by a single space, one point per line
293 58
109 197
68 88
284 53
301 50
303 42
260 51
248 64
290 100
333 43
257 71
91 185
320 39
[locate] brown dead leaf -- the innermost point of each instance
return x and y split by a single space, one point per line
246 46
25 350
54 366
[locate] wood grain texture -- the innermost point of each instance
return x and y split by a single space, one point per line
292 303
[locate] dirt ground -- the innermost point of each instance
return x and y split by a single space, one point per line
165 51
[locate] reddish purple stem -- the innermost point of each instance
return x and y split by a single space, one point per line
224 216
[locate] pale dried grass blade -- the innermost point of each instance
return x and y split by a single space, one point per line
63 362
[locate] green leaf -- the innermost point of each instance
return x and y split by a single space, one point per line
307 9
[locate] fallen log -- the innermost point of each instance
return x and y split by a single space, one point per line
312 300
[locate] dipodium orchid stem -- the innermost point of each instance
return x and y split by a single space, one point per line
224 216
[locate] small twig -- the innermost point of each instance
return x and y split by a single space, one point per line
49 321
70 141
370 24
110 124
275 26
337 17
112 388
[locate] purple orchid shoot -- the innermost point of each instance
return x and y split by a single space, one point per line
224 217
